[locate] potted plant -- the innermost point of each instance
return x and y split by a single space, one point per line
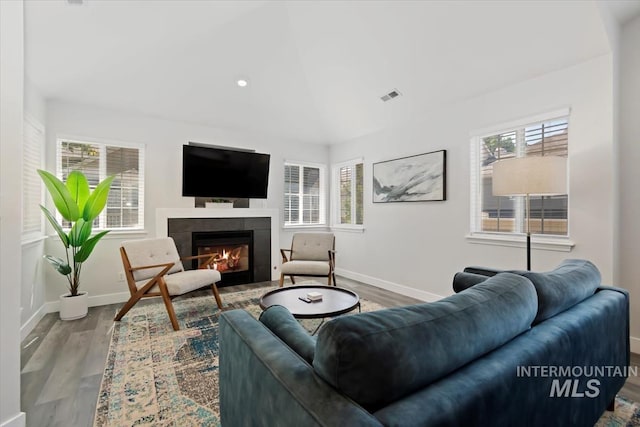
80 206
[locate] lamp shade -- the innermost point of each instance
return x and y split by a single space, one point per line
530 175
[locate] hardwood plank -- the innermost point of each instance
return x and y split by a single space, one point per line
35 337
67 371
58 333
99 347
42 415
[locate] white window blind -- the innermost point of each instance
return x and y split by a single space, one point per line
503 214
303 194
349 179
32 154
125 205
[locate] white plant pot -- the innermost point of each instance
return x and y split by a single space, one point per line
74 307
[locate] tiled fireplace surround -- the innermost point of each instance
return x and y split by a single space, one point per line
181 223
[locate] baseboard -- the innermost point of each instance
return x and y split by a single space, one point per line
390 286
635 345
32 322
19 420
94 301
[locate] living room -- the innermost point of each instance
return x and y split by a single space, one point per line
313 97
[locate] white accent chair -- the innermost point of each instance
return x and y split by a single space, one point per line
153 268
311 254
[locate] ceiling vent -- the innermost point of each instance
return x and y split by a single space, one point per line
389 96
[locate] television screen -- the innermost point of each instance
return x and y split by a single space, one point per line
214 172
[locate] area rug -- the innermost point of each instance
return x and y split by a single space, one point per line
161 377
627 414
156 376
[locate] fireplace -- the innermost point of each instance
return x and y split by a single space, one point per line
233 251
244 244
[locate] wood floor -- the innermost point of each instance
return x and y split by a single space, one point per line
62 362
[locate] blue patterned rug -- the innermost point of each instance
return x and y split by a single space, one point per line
155 376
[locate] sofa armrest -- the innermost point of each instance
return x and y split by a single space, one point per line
264 383
483 271
463 280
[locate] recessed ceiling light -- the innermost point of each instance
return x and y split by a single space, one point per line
242 82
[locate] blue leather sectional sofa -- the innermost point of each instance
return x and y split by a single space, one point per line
526 349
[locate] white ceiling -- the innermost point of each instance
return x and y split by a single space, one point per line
316 69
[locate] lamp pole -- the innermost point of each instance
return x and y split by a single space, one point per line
528 234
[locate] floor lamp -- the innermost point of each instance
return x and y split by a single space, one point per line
530 176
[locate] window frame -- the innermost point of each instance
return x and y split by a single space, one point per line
322 223
506 238
336 200
102 175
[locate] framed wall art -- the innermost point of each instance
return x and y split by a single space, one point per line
418 178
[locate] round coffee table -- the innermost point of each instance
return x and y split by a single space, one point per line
335 301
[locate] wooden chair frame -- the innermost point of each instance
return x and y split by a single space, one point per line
332 267
158 279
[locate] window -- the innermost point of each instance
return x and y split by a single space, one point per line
32 149
125 206
304 194
501 214
349 194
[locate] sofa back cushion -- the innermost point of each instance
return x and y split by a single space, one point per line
377 358
571 282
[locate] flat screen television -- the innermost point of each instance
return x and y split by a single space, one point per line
215 172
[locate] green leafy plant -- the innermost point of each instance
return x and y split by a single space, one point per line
80 206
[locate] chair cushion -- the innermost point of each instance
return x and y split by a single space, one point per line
151 252
186 281
311 246
315 268
282 323
379 357
571 282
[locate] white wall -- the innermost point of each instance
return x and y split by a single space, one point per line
163 176
417 247
629 170
11 117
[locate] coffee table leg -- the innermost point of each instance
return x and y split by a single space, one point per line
318 328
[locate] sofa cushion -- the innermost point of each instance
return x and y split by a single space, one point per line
282 323
377 358
571 282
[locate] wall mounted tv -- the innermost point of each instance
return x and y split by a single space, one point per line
215 172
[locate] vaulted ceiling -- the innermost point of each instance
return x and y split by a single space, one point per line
316 69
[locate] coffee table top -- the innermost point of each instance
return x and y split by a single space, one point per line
335 301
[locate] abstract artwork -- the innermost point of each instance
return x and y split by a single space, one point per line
416 178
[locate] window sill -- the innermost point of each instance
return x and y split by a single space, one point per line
114 234
305 227
33 239
348 228
558 244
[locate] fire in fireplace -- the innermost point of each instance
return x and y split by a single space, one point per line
228 258
233 252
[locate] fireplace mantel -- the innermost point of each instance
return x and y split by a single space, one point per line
163 215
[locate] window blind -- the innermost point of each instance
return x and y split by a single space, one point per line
303 194
549 214
125 205
32 150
